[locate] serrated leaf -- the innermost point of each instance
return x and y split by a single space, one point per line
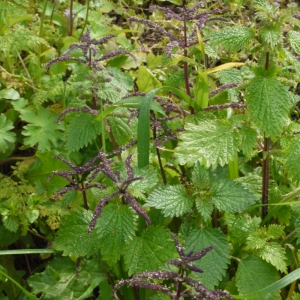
270 36
150 251
232 38
42 129
81 131
200 176
268 104
216 141
120 130
10 224
252 183
275 231
140 187
249 136
291 158
62 280
73 237
248 272
6 137
274 253
115 227
173 200
240 227
294 38
255 242
230 196
215 262
204 207
122 81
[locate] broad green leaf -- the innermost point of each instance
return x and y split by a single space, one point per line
150 251
215 262
63 280
140 187
42 129
268 104
42 168
216 141
275 287
146 81
249 136
292 158
254 274
10 94
294 38
7 237
122 81
200 176
205 207
232 38
81 131
173 200
241 226
120 130
73 237
230 196
274 254
6 137
252 183
115 227
10 224
270 36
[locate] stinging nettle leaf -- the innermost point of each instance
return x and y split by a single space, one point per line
73 237
294 38
173 200
81 131
231 196
247 276
292 158
217 141
232 38
115 228
268 104
150 251
215 262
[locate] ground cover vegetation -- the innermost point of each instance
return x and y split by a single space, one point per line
149 149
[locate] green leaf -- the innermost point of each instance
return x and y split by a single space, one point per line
205 207
146 81
268 104
232 38
42 168
149 251
248 272
266 292
73 237
274 253
173 200
6 137
249 136
291 158
200 176
294 38
42 129
62 280
120 130
270 36
10 224
215 262
81 131
115 227
230 196
10 94
216 141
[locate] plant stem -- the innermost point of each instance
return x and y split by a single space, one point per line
71 18
86 17
41 31
85 203
265 183
266 162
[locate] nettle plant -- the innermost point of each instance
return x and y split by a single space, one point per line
208 157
